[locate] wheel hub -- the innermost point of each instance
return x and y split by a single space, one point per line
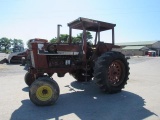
44 93
115 72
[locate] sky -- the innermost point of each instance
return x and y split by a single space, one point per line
136 20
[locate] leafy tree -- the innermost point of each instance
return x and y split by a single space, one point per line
88 36
63 38
77 39
53 40
5 42
17 42
80 36
0 45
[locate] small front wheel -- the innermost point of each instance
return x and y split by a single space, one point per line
44 91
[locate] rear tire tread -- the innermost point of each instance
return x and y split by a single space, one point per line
102 65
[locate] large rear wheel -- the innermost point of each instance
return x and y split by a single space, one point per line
44 91
111 72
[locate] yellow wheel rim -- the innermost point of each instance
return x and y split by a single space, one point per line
44 93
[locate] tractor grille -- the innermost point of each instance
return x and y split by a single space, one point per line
61 61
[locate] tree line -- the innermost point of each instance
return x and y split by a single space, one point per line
6 43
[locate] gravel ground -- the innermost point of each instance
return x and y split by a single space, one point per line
10 69
3 55
139 100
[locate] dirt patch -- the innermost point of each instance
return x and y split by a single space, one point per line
2 67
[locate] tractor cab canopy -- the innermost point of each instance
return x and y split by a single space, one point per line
86 24
90 25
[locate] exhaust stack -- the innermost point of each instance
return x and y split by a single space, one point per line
58 33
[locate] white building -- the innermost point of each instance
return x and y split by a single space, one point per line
139 48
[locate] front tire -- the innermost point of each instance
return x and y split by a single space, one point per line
111 72
29 78
44 91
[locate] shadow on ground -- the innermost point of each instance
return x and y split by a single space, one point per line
89 103
26 89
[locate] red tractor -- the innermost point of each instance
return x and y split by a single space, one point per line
109 69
